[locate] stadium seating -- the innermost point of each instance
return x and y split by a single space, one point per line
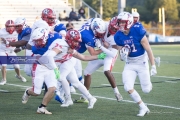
30 9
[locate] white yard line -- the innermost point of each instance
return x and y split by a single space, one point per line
164 106
151 76
170 82
4 90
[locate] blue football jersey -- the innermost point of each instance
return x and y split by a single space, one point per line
59 27
51 38
87 37
25 32
132 40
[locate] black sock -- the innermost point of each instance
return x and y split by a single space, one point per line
42 106
27 93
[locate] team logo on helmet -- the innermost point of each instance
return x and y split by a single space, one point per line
45 11
95 26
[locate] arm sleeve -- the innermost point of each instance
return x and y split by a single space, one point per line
111 53
48 59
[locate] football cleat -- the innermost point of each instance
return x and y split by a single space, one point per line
3 82
143 111
118 97
81 100
92 101
25 97
43 110
21 78
67 103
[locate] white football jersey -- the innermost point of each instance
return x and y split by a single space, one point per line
10 38
109 38
62 45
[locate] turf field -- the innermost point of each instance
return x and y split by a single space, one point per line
163 101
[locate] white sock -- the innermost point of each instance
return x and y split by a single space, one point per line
142 105
82 81
135 96
65 86
84 91
116 90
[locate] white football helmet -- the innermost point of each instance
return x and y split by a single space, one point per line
135 16
98 27
20 24
40 24
39 37
127 18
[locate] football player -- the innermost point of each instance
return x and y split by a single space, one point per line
9 35
133 38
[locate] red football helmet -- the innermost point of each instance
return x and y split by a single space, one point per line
73 38
49 16
113 27
10 26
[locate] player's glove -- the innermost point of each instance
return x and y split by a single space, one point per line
57 73
101 55
98 43
124 53
153 70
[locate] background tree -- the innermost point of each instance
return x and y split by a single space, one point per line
148 9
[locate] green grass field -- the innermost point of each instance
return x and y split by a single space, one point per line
163 101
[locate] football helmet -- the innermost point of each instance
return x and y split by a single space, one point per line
98 27
20 24
113 27
10 26
125 21
73 38
49 16
135 16
41 24
39 37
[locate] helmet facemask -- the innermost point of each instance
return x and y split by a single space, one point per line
113 26
49 16
125 21
10 26
39 43
98 27
39 37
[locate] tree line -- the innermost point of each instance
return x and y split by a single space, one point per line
148 9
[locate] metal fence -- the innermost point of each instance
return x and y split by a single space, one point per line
90 12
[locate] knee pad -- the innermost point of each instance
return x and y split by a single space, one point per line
37 91
16 66
147 89
127 87
86 72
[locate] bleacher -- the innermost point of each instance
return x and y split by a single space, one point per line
30 9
